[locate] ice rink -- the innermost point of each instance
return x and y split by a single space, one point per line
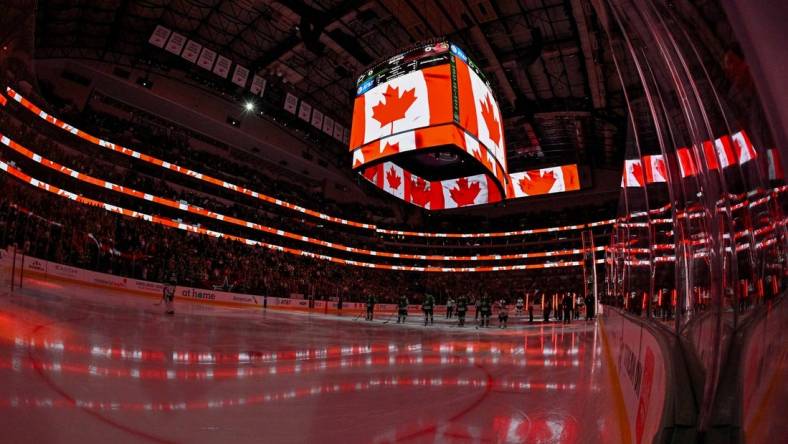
77 365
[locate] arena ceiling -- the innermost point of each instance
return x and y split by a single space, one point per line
548 59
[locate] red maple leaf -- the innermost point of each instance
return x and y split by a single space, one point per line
369 173
389 148
393 179
534 182
369 152
465 193
637 173
393 106
660 165
419 194
493 127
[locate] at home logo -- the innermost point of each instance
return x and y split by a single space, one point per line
38 265
198 294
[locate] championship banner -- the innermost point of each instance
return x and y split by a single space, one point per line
207 57
258 85
159 36
191 51
328 125
175 45
305 111
222 68
291 103
317 118
240 76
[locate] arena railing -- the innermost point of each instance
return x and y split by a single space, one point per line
169 222
85 178
269 199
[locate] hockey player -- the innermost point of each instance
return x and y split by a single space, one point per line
402 309
168 295
462 308
531 310
567 305
503 313
485 309
518 306
449 307
427 307
548 307
370 307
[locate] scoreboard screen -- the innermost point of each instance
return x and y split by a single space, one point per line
432 101
407 103
407 62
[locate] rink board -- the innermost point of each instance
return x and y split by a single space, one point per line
32 267
640 372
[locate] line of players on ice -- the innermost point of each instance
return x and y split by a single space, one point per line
569 306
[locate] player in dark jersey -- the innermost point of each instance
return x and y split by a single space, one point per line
485 310
503 313
370 307
427 307
402 309
567 306
462 308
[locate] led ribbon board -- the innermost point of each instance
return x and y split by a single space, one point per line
427 129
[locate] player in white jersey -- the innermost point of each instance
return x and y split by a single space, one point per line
518 306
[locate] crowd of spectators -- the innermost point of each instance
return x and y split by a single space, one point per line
88 158
57 229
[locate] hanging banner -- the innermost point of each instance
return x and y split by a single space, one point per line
159 36
207 57
328 125
222 68
305 111
291 103
192 51
258 85
240 75
175 45
338 131
317 118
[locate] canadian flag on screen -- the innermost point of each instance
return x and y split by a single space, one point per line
479 113
656 168
545 180
725 155
745 152
358 158
687 165
462 192
710 154
394 180
414 100
417 191
633 174
390 108
775 167
374 174
398 143
479 152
